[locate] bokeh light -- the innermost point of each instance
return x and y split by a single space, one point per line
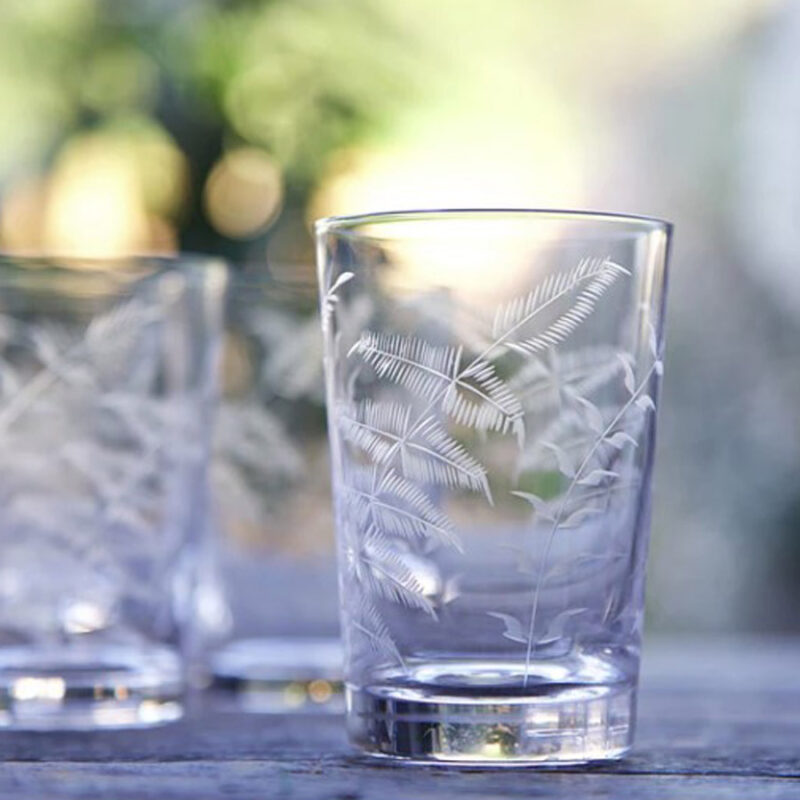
227 127
94 204
243 193
110 192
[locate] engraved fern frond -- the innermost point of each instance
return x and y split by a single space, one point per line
565 441
375 427
473 396
595 275
558 444
541 381
513 627
427 453
382 572
331 299
113 341
436 458
420 367
496 409
368 621
106 344
119 326
398 507
639 403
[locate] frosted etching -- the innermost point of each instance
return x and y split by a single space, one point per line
404 448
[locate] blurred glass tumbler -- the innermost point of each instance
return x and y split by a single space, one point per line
106 383
274 540
492 429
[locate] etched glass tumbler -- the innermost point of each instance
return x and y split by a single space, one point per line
106 378
492 428
274 538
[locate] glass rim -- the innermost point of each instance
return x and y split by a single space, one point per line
41 266
346 223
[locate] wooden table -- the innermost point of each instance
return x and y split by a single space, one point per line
717 719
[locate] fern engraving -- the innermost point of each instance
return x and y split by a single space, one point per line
473 396
594 275
331 298
88 458
543 384
607 440
425 452
404 453
399 507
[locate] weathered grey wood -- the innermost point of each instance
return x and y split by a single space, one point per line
717 720
324 781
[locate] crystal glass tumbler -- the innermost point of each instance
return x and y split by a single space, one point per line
492 428
274 539
107 371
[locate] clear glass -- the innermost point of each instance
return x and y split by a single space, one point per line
107 371
274 542
492 379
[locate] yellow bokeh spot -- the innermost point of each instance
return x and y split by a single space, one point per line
294 695
320 691
94 206
243 193
23 211
110 193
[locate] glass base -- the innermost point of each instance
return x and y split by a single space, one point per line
483 714
87 687
280 674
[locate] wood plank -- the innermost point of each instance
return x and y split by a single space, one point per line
678 733
322 780
716 720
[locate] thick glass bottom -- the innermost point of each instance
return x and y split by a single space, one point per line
81 688
280 674
484 714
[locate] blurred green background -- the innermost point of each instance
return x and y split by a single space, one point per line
227 126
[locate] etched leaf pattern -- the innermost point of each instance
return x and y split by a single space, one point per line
398 506
592 277
473 396
404 453
87 454
424 451
543 384
598 455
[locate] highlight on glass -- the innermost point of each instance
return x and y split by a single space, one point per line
492 381
107 371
